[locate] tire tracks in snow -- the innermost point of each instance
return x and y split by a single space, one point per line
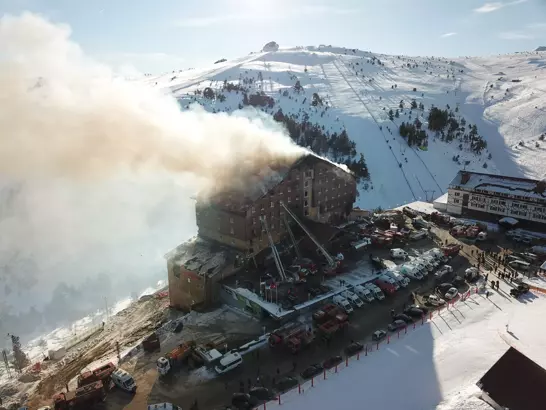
413 149
378 125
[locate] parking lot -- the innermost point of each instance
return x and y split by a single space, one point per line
270 365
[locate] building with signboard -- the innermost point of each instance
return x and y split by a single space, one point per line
473 193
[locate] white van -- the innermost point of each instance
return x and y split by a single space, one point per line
398 253
343 303
229 362
402 280
411 271
389 279
124 381
375 291
364 293
351 297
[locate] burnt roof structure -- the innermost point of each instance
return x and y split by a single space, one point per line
259 184
515 382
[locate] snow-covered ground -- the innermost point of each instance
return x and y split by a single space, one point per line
360 94
435 365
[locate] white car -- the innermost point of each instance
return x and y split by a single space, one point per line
444 270
436 300
451 293
398 253
228 362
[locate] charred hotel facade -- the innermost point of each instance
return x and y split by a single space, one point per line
231 225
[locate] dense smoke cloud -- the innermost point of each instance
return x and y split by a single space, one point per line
97 172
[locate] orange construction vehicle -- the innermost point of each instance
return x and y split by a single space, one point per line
103 374
82 398
175 357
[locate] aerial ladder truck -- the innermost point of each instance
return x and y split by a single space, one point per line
332 265
276 256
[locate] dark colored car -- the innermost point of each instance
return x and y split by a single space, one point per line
354 348
458 281
396 325
312 371
244 401
314 292
178 327
444 287
420 307
332 362
261 393
286 383
414 312
402 316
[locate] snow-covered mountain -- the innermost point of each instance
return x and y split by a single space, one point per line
499 100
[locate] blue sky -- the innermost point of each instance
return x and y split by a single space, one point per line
172 34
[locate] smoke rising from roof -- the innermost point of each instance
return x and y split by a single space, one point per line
97 171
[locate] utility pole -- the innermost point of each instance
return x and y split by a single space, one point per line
106 307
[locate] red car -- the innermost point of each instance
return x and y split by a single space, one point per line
386 287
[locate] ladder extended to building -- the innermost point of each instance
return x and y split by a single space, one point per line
329 258
276 256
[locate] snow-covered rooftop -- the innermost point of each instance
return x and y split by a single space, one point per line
500 184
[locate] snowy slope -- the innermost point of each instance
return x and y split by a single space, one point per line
359 95
435 366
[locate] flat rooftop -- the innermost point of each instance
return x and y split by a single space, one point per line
529 189
203 257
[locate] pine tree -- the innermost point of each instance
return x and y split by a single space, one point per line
397 114
20 358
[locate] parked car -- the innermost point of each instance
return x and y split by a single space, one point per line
244 401
364 293
444 270
351 297
452 293
398 253
262 393
312 371
396 325
343 304
379 335
286 383
442 288
414 312
402 316
332 362
435 300
354 348
386 287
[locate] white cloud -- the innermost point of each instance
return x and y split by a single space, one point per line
515 35
536 26
132 62
497 5
315 10
451 34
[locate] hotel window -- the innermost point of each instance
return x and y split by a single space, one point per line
289 189
306 203
297 199
230 219
272 204
306 212
232 231
306 194
306 184
289 199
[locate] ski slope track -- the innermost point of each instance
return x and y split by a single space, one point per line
504 96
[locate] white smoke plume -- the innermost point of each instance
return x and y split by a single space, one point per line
97 171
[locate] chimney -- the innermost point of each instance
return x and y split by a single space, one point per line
465 177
